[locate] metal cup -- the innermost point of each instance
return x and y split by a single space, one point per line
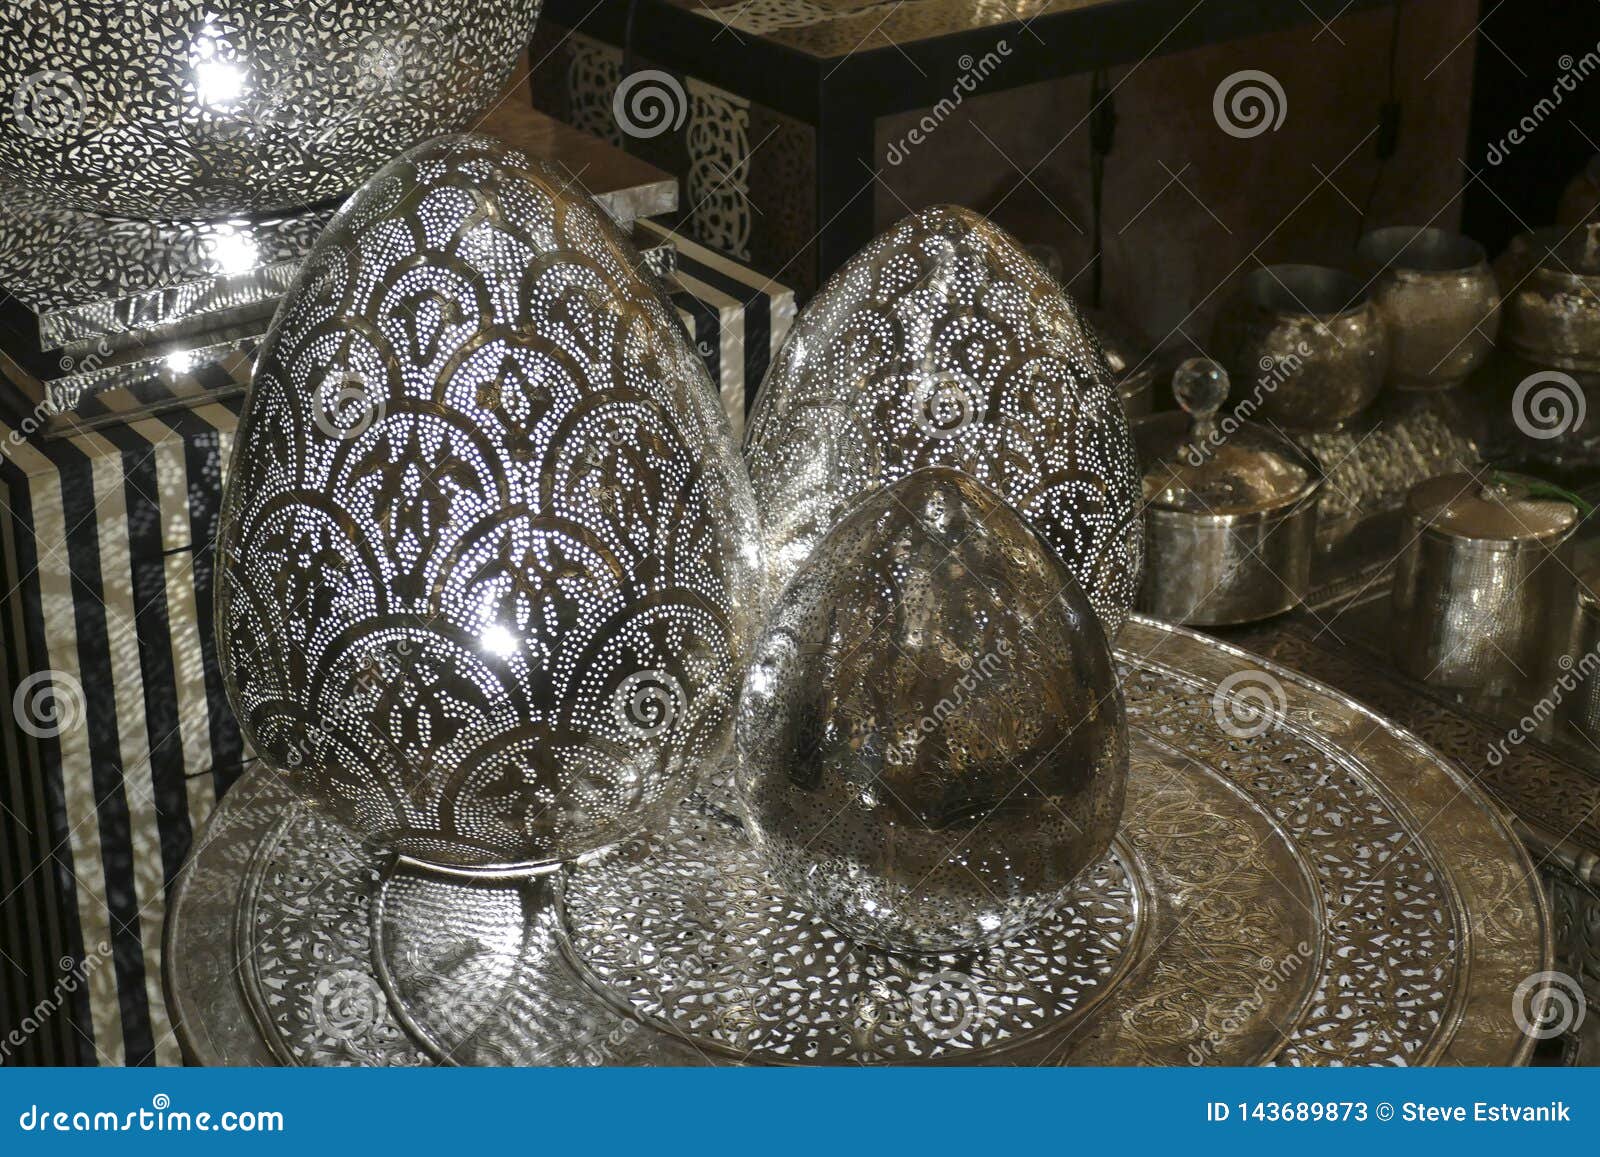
1485 567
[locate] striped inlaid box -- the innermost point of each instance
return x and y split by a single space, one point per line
737 317
115 736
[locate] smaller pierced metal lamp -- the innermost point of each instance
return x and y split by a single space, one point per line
931 737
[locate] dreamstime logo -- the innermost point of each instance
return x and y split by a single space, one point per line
49 104
973 675
648 103
1275 974
385 666
946 1005
1548 404
1548 1004
1574 674
1573 72
87 362
48 703
75 974
944 403
348 411
973 73
648 703
1275 370
347 1004
1249 103
160 1117
62 395
1249 703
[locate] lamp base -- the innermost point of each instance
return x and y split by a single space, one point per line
447 951
679 949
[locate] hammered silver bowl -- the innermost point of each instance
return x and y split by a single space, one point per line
1305 345
1439 298
205 108
1551 279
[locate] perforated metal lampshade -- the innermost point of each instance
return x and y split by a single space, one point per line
205 108
942 343
488 560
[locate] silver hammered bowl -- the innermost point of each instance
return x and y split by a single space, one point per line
1306 345
1551 279
1439 299
205 108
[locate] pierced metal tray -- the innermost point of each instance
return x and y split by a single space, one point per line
1297 882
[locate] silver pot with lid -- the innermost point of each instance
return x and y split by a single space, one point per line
1230 509
1482 590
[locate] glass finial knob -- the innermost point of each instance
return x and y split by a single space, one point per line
1200 386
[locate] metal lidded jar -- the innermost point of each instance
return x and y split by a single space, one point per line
1230 509
1482 579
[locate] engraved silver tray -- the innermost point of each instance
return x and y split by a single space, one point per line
1297 881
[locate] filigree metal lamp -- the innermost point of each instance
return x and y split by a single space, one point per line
488 564
203 108
931 735
489 575
942 343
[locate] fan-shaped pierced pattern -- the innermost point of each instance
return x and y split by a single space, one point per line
488 558
943 343
197 108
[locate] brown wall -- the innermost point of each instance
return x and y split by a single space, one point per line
1187 205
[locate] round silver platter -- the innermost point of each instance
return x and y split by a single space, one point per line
1297 881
